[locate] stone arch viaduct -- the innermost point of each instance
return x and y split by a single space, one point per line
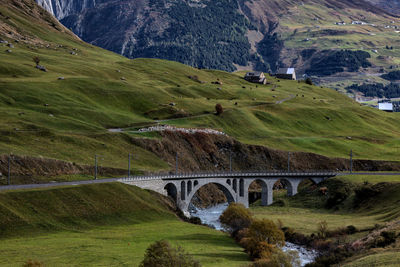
235 186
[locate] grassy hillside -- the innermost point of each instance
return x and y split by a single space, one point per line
303 211
42 115
101 225
368 207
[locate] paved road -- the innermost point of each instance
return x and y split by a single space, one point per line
111 180
34 186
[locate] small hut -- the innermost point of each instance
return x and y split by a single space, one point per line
256 77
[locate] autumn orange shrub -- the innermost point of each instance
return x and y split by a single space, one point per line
236 217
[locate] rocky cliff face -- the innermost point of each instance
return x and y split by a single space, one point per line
63 8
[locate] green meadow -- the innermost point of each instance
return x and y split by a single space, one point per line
101 225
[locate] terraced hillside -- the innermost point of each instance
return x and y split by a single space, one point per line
65 113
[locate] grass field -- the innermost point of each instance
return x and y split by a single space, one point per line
68 119
304 211
305 220
371 178
390 258
122 245
100 225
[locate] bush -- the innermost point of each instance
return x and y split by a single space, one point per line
162 254
266 230
322 229
351 229
236 217
219 109
258 250
385 238
309 81
338 192
241 234
279 259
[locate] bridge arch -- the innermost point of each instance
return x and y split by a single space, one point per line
223 186
266 191
171 190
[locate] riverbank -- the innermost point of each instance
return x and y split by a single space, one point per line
210 216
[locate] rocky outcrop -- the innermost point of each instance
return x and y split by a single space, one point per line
63 8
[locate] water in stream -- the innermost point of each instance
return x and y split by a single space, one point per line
211 215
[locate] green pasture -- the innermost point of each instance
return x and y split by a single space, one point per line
101 225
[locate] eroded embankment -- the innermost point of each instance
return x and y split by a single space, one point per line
209 152
26 170
197 152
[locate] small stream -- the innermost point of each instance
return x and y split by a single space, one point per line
211 215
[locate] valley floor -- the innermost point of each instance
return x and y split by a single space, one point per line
122 245
101 225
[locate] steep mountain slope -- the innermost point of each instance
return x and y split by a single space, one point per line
64 113
392 6
229 35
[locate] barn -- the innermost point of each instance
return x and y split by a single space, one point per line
286 73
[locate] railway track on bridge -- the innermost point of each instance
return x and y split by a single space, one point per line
191 175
